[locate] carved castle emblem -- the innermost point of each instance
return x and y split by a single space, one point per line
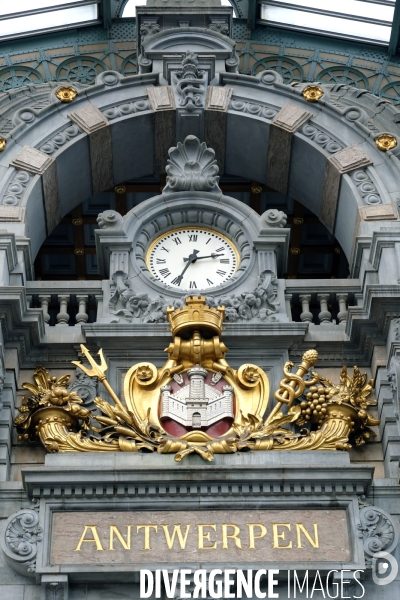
198 403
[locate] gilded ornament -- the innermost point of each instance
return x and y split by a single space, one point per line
3 144
256 189
120 189
79 251
294 250
197 389
77 222
385 142
66 94
298 221
312 93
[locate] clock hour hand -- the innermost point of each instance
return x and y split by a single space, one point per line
213 255
192 258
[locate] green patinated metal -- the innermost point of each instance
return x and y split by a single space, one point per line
79 55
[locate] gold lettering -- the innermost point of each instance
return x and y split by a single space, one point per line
177 531
233 536
94 540
205 536
114 530
252 535
277 536
301 529
147 534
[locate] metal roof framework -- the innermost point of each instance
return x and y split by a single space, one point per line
369 21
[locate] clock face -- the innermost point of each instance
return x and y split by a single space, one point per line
192 258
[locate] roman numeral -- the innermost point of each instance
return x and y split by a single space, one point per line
192 238
193 284
176 281
224 260
160 261
162 248
165 272
177 241
209 282
220 249
222 273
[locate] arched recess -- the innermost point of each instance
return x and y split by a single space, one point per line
107 136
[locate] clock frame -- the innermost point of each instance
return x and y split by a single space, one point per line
220 254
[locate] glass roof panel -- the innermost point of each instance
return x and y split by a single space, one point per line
359 8
17 6
365 20
45 20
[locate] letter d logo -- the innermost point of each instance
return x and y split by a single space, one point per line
380 565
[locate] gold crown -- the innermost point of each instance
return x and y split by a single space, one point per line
196 315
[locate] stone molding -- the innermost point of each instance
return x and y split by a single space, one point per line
161 98
32 160
218 98
291 117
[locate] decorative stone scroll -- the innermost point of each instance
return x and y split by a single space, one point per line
20 540
378 529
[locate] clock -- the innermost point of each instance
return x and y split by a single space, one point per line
192 258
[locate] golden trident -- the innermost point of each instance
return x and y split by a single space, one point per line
98 371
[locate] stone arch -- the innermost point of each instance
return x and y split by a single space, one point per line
58 156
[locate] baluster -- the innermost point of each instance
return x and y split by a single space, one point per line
82 316
342 314
288 305
44 305
324 316
306 316
63 316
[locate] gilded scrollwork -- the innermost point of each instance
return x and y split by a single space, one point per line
197 403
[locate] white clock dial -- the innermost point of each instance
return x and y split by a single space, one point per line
192 259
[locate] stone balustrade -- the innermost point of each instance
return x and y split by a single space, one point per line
66 303
321 302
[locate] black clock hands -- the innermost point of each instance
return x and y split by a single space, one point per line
192 258
213 255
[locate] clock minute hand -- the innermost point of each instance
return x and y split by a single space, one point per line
199 257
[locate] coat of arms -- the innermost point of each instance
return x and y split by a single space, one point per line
198 403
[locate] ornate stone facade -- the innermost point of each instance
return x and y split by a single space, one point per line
201 105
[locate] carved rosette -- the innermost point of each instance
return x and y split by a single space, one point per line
20 540
378 530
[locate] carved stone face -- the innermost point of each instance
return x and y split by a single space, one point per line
192 258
